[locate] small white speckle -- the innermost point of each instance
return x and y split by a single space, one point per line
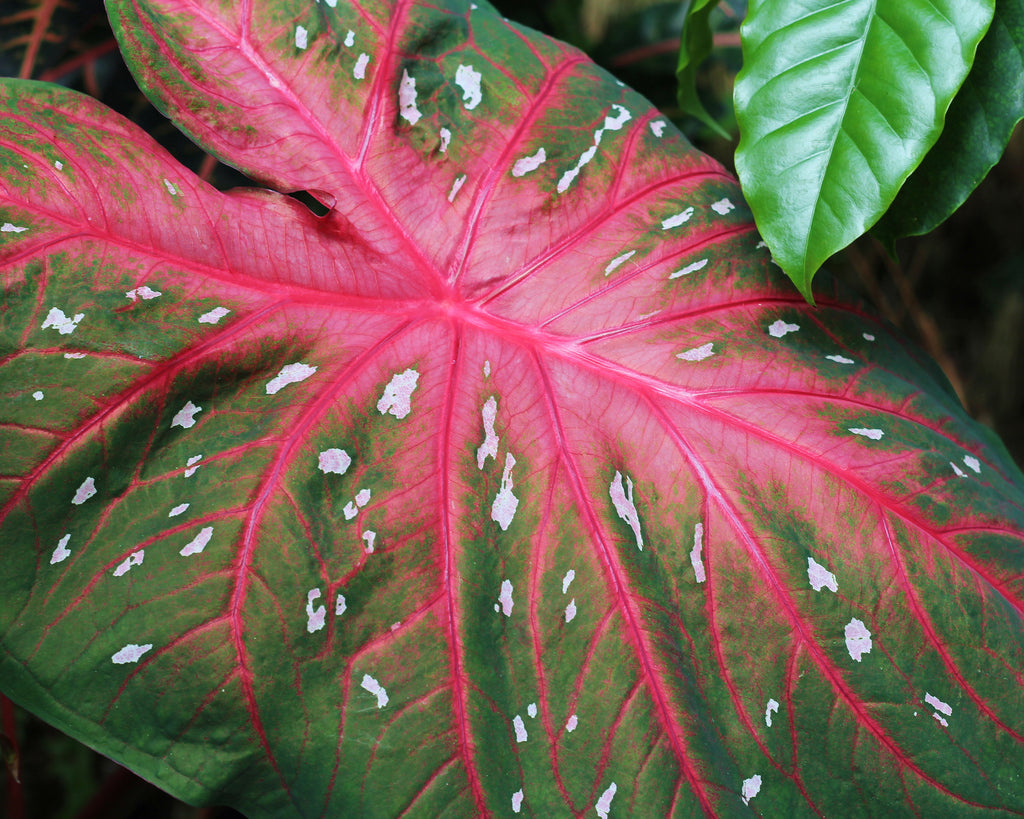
531 710
487 369
618 260
369 537
74 355
61 553
505 598
526 164
569 577
177 510
942 720
858 639
359 70
198 543
375 688
490 444
779 328
84 492
191 465
171 189
959 472
214 315
690 268
134 559
315 616
446 138
301 37
973 463
143 292
773 707
680 218
339 605
722 206
58 165
334 461
397 395
456 187
503 509
131 653
751 788
571 723
7 227
604 802
698 353
520 728
517 801
570 611
658 127
622 499
695 554
868 337
407 99
290 374
65 325
820 577
38 395
468 79
186 416
350 37
840 359
873 434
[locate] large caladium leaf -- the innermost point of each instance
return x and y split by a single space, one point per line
521 482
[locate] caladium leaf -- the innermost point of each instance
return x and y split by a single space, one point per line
521 482
837 103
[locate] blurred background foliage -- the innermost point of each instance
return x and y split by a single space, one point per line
958 291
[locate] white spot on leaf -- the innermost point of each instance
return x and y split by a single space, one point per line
505 598
526 164
820 577
973 463
192 465
130 653
490 444
658 127
569 577
868 336
171 189
198 543
604 802
375 688
873 434
74 355
61 553
350 37
58 165
38 395
397 394
177 510
84 492
334 461
531 710
290 374
773 707
690 268
517 801
939 706
612 122
622 499
134 559
840 359
468 79
369 536
698 353
695 553
780 328
680 218
407 99
7 227
959 472
751 788
186 416
339 605
315 616
301 37
722 206
456 187
614 263
858 639
570 611
65 325
214 315
487 369
362 497
359 71
571 723
446 138
505 502
520 728
143 292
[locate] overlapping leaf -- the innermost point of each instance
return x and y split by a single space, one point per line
522 482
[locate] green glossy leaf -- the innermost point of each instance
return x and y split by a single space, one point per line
695 47
837 104
978 127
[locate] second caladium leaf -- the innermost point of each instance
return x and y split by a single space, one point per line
520 483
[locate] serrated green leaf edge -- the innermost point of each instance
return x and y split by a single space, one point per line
788 167
979 125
